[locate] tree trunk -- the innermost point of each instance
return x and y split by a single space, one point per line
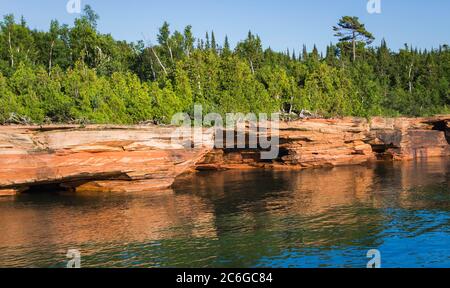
11 53
50 58
159 61
152 68
409 78
354 46
170 52
291 107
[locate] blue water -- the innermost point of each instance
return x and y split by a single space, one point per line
311 218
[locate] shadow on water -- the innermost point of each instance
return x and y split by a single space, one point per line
311 218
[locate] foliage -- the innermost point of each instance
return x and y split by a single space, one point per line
75 73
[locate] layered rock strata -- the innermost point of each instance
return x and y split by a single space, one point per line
410 138
145 158
335 142
95 158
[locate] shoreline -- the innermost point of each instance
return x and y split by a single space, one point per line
113 158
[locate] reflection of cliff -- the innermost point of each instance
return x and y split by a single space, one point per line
320 206
121 217
93 219
316 191
414 185
233 218
199 200
273 212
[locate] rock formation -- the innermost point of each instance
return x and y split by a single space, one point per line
303 144
334 142
410 138
143 158
93 158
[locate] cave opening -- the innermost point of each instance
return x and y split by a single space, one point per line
282 153
443 126
381 151
44 188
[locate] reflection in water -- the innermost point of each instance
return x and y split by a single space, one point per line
311 218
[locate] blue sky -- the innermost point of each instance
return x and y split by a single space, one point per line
281 24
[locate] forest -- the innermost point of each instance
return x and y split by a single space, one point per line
75 74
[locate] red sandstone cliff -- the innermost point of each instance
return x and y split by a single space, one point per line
93 158
334 142
142 158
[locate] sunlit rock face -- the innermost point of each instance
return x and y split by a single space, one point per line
303 144
316 143
93 158
145 158
410 138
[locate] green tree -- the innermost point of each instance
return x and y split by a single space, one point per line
8 100
251 49
189 40
17 43
214 46
349 29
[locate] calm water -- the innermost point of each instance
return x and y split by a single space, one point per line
315 218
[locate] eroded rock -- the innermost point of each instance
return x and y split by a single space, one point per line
315 143
303 144
144 158
410 138
95 158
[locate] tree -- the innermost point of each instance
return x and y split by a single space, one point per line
226 46
315 53
280 86
90 16
164 39
189 40
17 42
251 49
207 42
349 29
213 42
75 73
23 83
304 53
8 100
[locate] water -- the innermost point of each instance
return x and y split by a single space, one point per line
313 218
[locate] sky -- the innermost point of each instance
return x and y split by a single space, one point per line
281 24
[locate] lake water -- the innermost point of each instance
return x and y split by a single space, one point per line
311 218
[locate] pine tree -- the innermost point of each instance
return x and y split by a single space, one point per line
213 42
315 53
189 40
226 47
207 43
77 73
350 29
304 53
